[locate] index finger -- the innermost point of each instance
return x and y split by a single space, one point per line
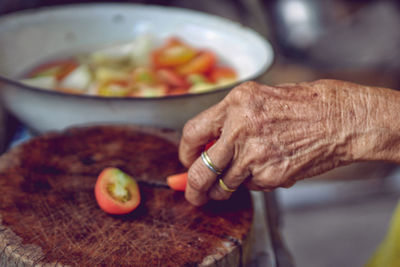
199 131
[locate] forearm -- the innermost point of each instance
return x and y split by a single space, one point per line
380 135
370 121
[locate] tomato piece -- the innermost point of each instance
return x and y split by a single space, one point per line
202 87
122 83
68 90
219 73
202 63
197 79
159 90
172 78
178 181
177 91
116 88
173 53
210 144
66 69
144 75
172 41
116 192
50 68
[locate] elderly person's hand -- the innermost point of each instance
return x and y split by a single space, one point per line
269 137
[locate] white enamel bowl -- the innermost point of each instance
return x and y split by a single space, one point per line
30 37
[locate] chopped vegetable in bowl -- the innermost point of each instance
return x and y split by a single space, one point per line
136 69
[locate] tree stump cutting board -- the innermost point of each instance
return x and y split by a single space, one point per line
49 215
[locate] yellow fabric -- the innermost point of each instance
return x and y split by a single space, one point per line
388 253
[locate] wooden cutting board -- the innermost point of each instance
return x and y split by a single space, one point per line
49 215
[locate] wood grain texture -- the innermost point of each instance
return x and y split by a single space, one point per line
49 215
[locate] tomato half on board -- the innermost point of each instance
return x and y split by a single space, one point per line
116 192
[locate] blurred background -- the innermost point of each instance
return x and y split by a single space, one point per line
340 218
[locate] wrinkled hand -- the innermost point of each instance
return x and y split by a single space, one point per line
271 137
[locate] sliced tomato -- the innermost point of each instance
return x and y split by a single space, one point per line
171 78
116 88
123 83
172 41
197 79
158 90
116 192
177 91
202 63
219 73
66 69
50 68
173 53
144 75
68 90
178 181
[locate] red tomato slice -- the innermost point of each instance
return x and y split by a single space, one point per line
123 83
177 91
57 68
173 53
172 78
210 144
66 69
178 181
158 90
116 192
68 90
115 88
171 41
144 75
202 63
219 73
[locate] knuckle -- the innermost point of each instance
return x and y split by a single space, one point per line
252 105
266 183
270 175
189 130
236 175
244 91
253 186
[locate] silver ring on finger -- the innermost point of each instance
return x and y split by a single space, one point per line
207 161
